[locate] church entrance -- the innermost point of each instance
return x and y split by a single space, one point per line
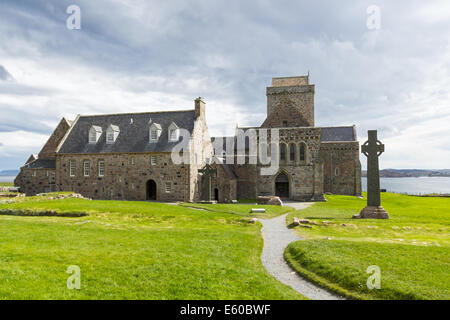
282 186
216 194
151 190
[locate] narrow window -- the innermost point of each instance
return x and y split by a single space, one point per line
153 160
292 153
72 168
34 173
132 161
302 152
282 152
101 168
87 168
285 123
173 134
336 171
168 187
110 137
92 136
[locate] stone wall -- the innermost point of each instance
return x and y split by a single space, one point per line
290 106
49 149
305 176
342 169
227 187
124 178
34 181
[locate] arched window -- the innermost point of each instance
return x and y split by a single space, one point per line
292 152
282 152
302 152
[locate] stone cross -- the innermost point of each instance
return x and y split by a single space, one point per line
372 149
207 172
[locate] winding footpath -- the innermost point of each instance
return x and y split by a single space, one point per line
276 238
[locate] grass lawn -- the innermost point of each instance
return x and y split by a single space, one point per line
412 248
6 184
242 209
132 250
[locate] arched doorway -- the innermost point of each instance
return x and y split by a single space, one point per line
282 185
216 194
151 190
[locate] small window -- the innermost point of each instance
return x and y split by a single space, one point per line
282 152
153 160
110 137
92 137
336 172
154 134
292 153
302 152
34 174
173 132
94 134
168 187
101 168
87 168
132 161
112 133
285 123
72 168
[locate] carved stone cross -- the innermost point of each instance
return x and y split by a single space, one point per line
207 172
372 149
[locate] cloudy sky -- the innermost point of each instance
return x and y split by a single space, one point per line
136 55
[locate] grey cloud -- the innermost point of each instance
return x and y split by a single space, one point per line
5 75
233 48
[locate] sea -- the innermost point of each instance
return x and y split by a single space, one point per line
7 178
420 185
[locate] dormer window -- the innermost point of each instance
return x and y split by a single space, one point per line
94 134
155 132
112 133
173 132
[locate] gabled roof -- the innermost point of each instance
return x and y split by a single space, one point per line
134 135
335 134
156 125
96 128
114 128
42 164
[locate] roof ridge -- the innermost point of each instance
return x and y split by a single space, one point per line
134 113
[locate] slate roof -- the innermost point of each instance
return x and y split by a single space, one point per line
332 134
329 134
42 164
134 132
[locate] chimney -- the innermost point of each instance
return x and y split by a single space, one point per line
199 108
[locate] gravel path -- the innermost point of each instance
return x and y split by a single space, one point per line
276 238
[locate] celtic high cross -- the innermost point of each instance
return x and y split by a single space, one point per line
372 149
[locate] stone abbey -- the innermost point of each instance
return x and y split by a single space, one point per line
129 156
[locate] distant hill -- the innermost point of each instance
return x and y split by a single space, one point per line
403 173
9 172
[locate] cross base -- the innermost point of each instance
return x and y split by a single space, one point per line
372 212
